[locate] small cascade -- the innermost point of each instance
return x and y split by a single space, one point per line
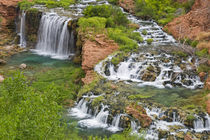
159 70
22 29
115 124
98 121
201 123
81 110
54 38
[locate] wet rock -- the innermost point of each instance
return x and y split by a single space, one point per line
187 137
23 66
202 76
180 135
140 114
208 104
162 134
2 62
1 78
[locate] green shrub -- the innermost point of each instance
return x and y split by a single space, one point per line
136 36
144 32
149 41
194 43
92 22
25 4
97 100
203 68
202 53
28 114
115 15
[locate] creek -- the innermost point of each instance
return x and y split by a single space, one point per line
159 76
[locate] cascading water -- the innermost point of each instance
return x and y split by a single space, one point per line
22 29
201 124
150 69
54 38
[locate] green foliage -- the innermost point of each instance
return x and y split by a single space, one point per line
179 53
33 10
188 5
92 22
28 114
203 68
97 100
136 36
118 58
191 118
163 11
138 96
144 32
25 4
115 15
149 41
122 38
202 53
114 2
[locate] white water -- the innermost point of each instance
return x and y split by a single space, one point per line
135 67
54 38
22 29
202 124
115 124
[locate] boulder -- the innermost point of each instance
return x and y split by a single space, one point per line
2 62
140 114
23 66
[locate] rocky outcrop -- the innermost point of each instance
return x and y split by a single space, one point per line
194 22
208 104
140 114
8 12
128 5
93 51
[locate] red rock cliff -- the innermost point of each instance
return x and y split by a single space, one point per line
193 23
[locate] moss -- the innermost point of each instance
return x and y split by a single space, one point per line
149 41
203 68
179 53
118 58
202 53
138 96
89 87
190 118
136 36
97 100
33 10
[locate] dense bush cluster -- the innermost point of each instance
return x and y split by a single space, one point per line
163 11
114 22
25 4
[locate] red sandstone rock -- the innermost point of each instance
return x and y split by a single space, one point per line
128 5
202 76
208 104
194 22
207 83
93 52
187 137
139 113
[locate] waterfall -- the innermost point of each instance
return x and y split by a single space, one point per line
201 124
54 38
22 29
98 121
81 110
115 124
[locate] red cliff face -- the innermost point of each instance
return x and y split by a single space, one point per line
193 23
7 12
93 52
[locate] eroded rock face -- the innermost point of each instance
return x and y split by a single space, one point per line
8 12
208 103
128 5
194 22
95 51
140 114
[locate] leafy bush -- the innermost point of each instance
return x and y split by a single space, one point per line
126 43
136 36
202 53
114 2
149 41
25 4
92 22
144 32
115 15
28 114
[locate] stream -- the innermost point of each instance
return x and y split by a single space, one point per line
163 78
